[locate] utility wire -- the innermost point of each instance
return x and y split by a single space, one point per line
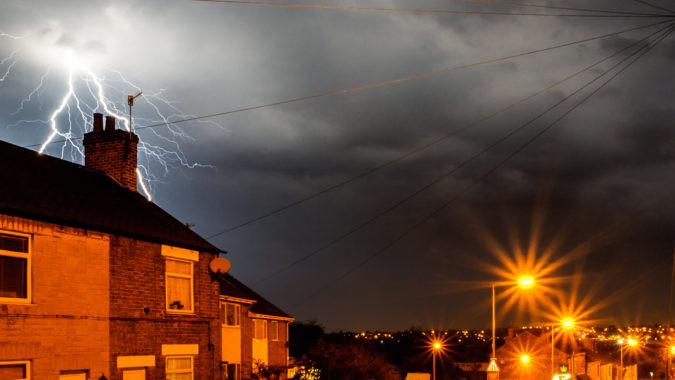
641 52
363 87
655 6
476 155
396 159
436 11
509 3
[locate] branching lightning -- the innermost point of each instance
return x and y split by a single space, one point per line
86 92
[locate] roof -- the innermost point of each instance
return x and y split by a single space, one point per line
49 189
230 286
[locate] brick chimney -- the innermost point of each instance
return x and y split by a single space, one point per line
112 151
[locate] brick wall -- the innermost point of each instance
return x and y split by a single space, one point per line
276 350
65 327
113 152
139 322
246 342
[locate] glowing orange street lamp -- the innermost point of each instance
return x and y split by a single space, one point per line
671 353
567 324
524 361
435 347
630 342
524 282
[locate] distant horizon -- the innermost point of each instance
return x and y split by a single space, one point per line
533 327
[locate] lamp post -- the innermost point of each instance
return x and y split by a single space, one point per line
567 324
525 359
622 343
525 282
434 350
670 354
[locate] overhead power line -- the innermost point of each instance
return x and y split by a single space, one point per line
400 157
476 155
655 6
512 4
368 86
431 11
637 54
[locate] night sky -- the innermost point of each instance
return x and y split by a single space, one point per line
585 203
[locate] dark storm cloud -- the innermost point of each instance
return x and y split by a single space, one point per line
607 162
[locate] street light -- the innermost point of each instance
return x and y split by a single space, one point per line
630 342
524 282
524 367
435 347
567 324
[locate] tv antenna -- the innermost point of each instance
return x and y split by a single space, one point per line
130 101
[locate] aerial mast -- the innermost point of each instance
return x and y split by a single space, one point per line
130 101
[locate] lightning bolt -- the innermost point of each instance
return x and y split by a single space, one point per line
12 61
86 92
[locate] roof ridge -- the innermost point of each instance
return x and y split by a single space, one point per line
51 189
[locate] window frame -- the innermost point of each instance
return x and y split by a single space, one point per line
255 323
15 362
237 370
191 277
276 330
192 365
237 312
29 271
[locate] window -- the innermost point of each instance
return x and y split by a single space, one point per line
14 268
179 368
274 330
74 375
259 329
179 286
232 371
230 314
15 370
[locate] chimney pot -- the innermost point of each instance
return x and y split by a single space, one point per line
112 151
98 122
110 123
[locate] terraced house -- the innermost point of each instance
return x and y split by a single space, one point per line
255 333
95 280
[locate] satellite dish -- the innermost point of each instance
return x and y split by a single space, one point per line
220 265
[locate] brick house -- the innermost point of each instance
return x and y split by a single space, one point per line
254 331
95 280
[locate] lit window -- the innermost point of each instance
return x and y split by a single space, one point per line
15 370
274 330
179 286
230 313
179 368
14 268
259 329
